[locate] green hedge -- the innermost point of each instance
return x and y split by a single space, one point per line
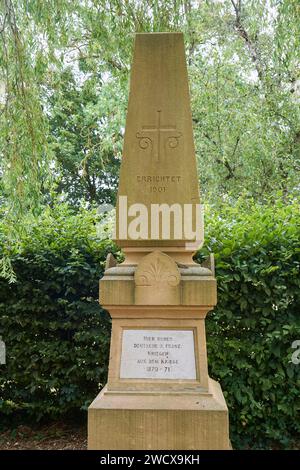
257 318
57 336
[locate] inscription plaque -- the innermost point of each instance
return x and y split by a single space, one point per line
158 354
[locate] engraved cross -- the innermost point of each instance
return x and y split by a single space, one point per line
156 137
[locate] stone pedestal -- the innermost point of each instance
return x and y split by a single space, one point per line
160 421
158 395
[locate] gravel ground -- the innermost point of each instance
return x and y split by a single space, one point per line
57 436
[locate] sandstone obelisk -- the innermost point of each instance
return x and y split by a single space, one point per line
158 394
159 164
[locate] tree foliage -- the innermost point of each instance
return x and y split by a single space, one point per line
64 79
87 158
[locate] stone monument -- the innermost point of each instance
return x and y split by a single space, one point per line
158 394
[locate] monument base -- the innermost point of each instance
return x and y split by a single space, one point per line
159 420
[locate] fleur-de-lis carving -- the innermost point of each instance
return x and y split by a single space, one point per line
157 268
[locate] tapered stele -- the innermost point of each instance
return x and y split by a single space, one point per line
159 164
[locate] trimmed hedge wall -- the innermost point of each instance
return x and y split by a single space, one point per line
57 336
257 318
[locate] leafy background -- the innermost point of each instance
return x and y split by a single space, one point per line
64 89
57 335
64 75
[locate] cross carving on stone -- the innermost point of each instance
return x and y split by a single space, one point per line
157 137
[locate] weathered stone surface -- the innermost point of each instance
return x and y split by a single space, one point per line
159 422
158 164
158 273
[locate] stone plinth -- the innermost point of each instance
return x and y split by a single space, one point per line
160 421
158 395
